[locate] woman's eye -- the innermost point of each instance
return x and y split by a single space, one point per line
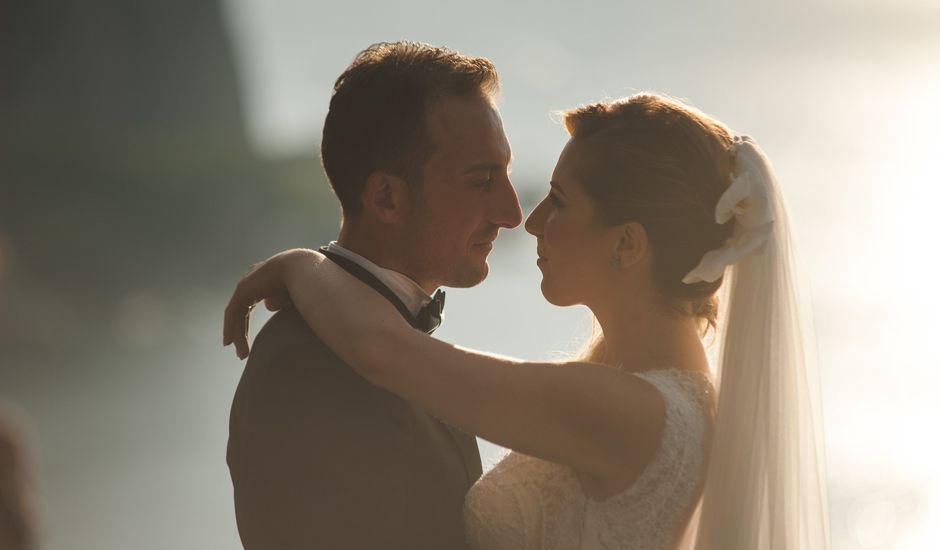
554 199
485 183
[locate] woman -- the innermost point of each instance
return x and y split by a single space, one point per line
631 446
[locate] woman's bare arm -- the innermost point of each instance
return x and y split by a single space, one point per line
594 418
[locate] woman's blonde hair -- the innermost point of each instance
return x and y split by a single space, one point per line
654 160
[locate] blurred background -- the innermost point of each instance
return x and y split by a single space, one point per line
150 151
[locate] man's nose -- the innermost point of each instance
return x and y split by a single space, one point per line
505 210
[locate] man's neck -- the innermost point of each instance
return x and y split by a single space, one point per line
380 252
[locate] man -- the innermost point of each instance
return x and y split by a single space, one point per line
415 151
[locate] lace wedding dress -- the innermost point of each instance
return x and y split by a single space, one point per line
525 503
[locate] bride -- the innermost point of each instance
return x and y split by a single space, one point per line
654 212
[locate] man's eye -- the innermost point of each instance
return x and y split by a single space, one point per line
485 183
554 199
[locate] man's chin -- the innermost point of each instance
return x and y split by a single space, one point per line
470 276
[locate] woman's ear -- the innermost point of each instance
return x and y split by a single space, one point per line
632 245
385 196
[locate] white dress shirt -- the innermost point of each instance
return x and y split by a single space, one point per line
409 292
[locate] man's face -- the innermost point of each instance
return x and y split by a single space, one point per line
465 195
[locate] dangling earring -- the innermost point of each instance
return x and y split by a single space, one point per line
615 263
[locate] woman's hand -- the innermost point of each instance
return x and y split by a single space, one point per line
266 281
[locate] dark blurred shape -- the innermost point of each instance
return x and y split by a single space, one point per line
124 165
4 256
19 509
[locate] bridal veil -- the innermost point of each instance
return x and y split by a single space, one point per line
766 482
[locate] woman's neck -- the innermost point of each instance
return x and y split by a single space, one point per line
644 336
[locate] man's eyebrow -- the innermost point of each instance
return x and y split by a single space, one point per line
557 186
490 166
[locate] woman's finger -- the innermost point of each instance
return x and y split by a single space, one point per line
238 310
241 338
236 323
261 281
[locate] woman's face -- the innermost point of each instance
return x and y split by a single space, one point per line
575 250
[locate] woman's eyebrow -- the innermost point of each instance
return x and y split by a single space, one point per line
557 186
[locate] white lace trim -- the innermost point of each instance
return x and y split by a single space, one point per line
527 503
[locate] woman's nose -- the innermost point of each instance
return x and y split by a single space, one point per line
533 224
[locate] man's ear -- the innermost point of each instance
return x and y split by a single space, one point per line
385 196
633 243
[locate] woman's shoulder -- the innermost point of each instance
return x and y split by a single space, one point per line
677 377
682 387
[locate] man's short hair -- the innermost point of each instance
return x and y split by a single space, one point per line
377 113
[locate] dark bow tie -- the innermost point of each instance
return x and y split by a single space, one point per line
430 316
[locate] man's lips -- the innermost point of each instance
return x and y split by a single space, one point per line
486 243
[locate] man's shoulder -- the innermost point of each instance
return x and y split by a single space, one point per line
288 356
292 380
284 326
286 329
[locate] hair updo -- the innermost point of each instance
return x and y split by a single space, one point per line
656 161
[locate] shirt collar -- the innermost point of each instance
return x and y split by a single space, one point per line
409 292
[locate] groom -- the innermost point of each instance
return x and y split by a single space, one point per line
415 151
